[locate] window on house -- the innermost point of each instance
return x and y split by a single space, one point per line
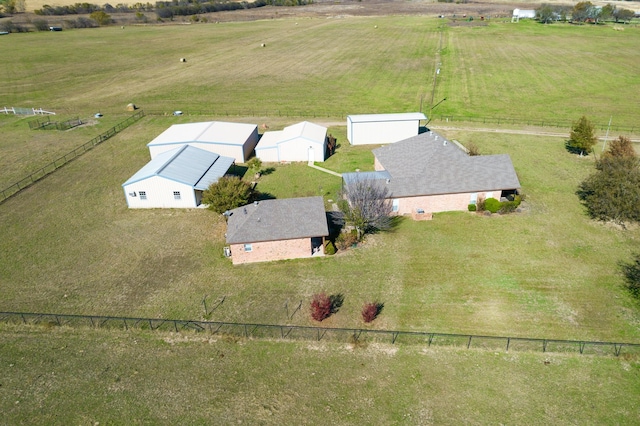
474 198
248 247
395 206
143 195
176 195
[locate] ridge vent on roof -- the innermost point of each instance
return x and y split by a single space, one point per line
173 157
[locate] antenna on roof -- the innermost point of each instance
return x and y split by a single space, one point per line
245 210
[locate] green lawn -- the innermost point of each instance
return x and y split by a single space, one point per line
117 377
547 272
70 245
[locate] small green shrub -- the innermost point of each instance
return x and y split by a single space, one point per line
329 248
472 207
492 205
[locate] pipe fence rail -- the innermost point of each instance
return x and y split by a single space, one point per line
56 164
352 335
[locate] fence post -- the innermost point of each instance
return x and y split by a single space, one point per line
508 342
469 342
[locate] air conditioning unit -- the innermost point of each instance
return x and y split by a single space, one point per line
132 194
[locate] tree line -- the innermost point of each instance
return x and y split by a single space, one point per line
583 12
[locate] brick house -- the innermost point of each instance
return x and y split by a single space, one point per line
427 173
276 229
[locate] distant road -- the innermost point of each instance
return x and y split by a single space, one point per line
518 132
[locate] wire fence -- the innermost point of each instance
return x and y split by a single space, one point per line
562 124
351 335
296 113
56 164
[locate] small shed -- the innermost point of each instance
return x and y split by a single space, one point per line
235 140
304 141
175 178
523 14
382 128
269 230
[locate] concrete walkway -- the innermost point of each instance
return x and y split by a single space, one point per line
331 172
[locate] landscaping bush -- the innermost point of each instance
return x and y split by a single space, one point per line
323 306
371 310
329 248
492 205
320 307
480 203
472 207
346 240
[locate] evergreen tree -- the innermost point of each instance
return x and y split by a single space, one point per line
582 138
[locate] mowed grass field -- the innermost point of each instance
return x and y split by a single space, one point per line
117 377
70 245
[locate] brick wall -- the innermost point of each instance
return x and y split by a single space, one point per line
439 203
272 250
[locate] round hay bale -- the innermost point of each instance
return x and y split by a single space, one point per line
262 45
131 107
375 26
183 59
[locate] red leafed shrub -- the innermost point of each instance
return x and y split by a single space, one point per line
320 307
371 310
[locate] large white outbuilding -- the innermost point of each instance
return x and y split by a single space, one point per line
367 129
235 140
299 142
175 178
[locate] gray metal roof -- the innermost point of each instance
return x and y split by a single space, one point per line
271 220
188 165
350 178
429 164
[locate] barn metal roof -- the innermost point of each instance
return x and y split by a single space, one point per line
271 220
309 131
188 165
429 164
364 118
214 132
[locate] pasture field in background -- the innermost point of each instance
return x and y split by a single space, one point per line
331 68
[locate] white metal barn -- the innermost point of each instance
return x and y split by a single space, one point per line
236 140
299 142
175 178
523 14
382 128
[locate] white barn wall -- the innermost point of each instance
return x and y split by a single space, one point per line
298 150
268 155
239 152
236 152
381 129
160 194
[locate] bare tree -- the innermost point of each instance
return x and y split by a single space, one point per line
366 206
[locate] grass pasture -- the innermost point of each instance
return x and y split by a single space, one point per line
330 68
120 377
70 245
